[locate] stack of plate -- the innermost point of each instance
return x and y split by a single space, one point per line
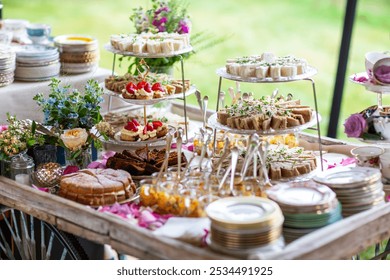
36 63
7 65
78 53
306 206
358 189
240 225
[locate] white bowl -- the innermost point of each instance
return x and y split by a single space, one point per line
371 58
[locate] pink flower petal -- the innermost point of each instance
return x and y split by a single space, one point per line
94 165
108 154
347 161
70 169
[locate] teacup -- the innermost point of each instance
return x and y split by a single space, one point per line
371 58
382 126
38 32
385 165
367 156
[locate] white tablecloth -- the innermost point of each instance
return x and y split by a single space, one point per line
17 98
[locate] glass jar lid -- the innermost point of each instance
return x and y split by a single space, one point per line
22 161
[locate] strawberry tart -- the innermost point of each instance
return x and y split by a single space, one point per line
133 131
145 90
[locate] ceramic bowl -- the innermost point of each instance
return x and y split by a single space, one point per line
371 58
367 156
382 126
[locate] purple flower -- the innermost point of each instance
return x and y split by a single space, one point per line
355 125
183 27
162 9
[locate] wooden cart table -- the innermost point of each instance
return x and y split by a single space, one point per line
341 240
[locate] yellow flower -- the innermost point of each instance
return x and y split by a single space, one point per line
74 138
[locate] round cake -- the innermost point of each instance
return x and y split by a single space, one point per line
96 187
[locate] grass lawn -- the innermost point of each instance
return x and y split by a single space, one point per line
305 28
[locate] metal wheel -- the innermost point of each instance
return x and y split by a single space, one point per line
24 237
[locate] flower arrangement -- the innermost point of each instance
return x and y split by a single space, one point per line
17 137
361 125
73 115
169 16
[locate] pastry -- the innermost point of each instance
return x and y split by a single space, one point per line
96 187
265 66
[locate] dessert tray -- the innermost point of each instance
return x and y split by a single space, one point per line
310 71
190 91
110 48
213 122
117 140
367 83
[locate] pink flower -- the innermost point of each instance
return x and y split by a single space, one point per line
3 128
355 125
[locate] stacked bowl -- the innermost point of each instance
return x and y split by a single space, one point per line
36 63
306 206
7 65
242 225
358 189
78 53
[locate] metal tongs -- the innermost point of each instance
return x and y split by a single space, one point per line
40 128
164 166
263 159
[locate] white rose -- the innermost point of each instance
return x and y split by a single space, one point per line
74 138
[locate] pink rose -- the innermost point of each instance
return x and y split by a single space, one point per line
355 125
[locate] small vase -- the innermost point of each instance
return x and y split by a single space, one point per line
81 161
162 70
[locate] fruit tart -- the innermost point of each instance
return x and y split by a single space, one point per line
134 131
131 131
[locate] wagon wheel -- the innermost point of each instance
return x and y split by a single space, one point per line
24 237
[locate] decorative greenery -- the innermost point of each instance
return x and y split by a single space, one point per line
69 111
168 16
17 137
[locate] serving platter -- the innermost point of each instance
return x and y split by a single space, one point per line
213 122
311 71
190 91
110 48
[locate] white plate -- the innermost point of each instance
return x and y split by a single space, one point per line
311 71
35 51
301 194
347 177
190 91
242 210
213 122
75 39
110 48
368 84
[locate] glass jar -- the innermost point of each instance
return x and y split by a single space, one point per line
22 166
